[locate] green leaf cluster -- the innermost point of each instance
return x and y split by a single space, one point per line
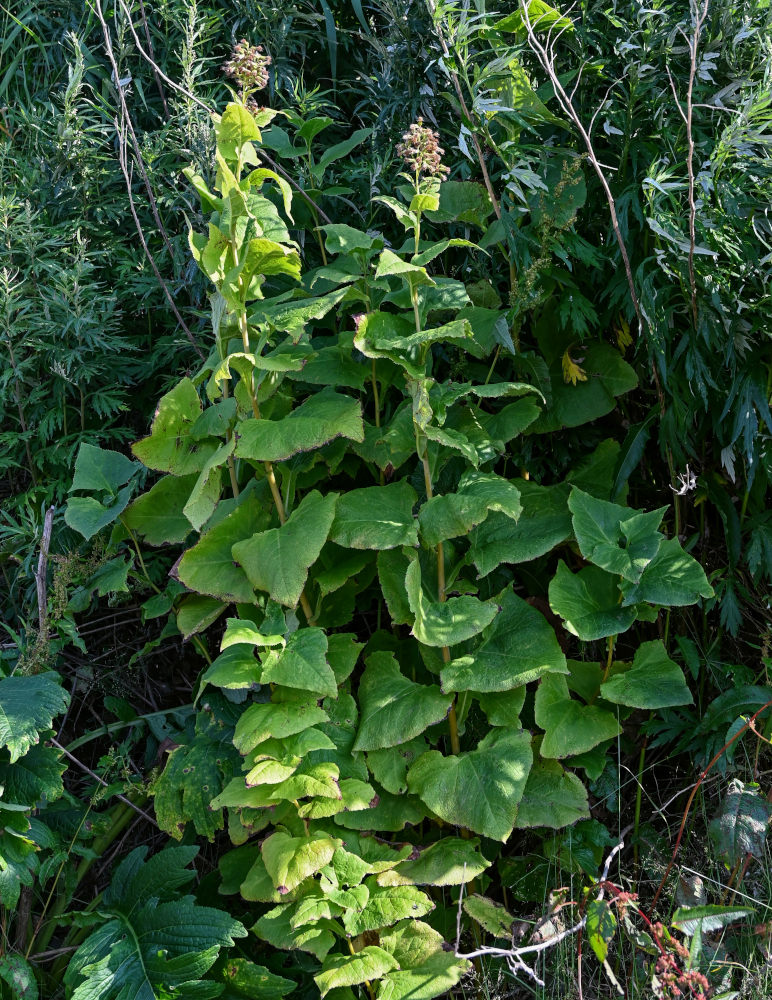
354 516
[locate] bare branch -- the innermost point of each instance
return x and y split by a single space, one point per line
465 110
102 782
148 59
547 60
699 15
123 127
42 572
675 94
514 956
150 50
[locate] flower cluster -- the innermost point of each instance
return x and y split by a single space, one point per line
674 982
421 151
248 66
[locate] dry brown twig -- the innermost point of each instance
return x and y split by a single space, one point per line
84 767
545 53
124 128
514 955
699 16
42 572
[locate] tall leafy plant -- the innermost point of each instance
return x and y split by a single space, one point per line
382 678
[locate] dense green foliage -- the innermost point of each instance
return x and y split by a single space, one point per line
413 565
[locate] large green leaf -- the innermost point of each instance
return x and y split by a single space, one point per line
588 602
448 622
101 470
277 560
302 663
693 920
157 515
34 777
244 979
206 490
392 567
88 516
450 861
390 813
545 521
740 827
479 790
197 612
275 719
462 201
570 727
291 860
426 967
389 335
393 708
194 774
28 706
389 766
234 669
321 418
364 966
553 797
608 376
672 578
386 906
617 539
292 316
493 917
518 647
171 447
392 444
151 940
376 517
276 928
234 130
503 708
208 567
653 681
457 513
601 926
18 974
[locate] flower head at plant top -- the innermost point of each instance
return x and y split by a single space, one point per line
421 151
248 66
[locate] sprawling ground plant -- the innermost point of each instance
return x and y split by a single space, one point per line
392 698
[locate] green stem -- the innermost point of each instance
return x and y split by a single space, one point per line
124 814
133 538
638 798
114 727
269 472
46 936
609 658
493 364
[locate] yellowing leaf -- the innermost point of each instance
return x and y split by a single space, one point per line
572 372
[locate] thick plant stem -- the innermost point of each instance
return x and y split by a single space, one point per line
609 658
638 798
455 743
231 463
270 475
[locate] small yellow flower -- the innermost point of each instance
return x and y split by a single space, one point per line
572 372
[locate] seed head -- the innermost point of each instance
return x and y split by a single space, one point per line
421 151
248 66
